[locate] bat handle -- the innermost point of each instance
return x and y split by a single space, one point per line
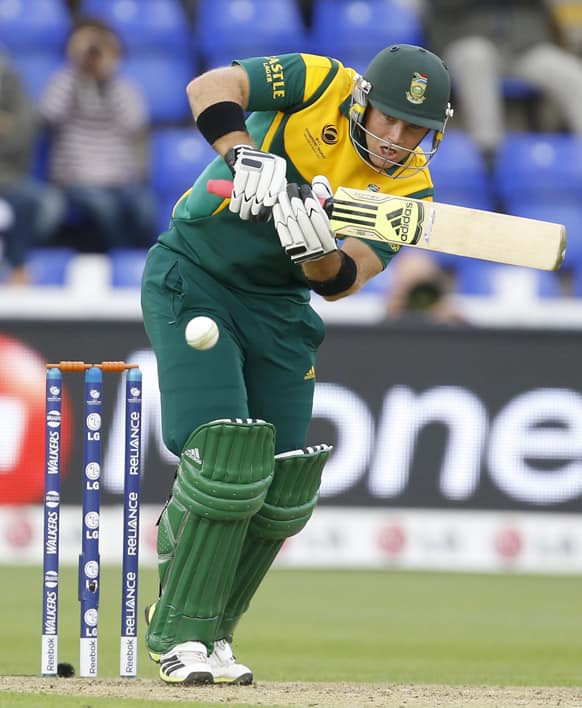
220 187
223 188
327 205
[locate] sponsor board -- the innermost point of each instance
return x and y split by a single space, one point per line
412 539
423 420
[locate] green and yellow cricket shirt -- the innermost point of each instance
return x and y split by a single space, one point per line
299 109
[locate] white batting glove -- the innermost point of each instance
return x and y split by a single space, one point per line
258 179
302 224
321 188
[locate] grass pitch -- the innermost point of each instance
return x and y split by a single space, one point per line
337 626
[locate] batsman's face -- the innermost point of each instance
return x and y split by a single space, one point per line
390 140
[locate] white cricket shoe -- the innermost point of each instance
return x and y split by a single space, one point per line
225 668
186 663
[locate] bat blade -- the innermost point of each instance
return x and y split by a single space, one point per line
443 228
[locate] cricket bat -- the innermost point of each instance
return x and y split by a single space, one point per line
444 228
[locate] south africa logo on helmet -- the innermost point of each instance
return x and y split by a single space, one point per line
417 88
410 83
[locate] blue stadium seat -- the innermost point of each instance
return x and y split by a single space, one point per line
518 89
234 29
163 79
475 277
577 282
33 24
127 266
569 214
36 68
355 30
459 173
539 176
153 24
542 167
177 157
49 266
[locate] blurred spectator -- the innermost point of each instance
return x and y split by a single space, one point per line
486 42
419 290
191 8
28 209
98 132
75 7
568 17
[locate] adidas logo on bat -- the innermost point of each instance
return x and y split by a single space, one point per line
403 219
395 219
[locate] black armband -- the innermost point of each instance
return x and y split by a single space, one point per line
345 278
220 119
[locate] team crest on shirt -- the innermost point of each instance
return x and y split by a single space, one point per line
417 88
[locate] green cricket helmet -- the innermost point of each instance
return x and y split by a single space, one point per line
405 82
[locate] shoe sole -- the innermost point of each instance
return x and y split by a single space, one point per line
244 680
200 678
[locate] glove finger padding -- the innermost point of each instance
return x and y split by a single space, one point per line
281 215
318 219
302 224
245 181
272 180
258 178
321 188
286 222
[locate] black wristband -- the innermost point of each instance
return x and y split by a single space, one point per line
345 278
220 119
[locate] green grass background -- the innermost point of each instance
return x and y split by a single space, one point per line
372 626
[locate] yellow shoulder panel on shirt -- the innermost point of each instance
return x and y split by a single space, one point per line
266 142
316 70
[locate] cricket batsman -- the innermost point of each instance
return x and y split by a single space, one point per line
237 413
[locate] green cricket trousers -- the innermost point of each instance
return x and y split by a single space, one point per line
262 366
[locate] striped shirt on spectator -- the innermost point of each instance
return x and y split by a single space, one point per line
95 129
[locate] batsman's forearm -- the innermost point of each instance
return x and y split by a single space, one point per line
324 268
223 145
333 277
226 84
216 86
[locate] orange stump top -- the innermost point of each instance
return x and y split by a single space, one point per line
83 366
